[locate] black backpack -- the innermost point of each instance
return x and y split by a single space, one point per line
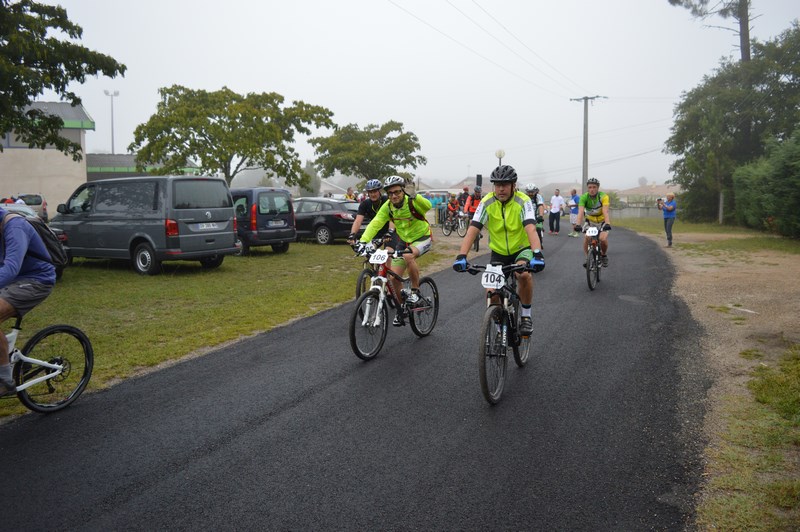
57 253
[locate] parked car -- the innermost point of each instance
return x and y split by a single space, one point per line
151 219
28 212
264 217
37 203
324 219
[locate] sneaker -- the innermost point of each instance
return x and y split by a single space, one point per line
525 326
398 319
413 298
604 260
549 232
7 388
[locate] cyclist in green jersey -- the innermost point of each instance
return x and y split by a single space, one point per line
510 218
593 207
407 212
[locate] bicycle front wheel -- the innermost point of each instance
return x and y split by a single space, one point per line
447 228
462 227
492 354
368 326
364 281
424 314
592 269
65 346
522 346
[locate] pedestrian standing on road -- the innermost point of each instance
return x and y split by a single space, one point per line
573 211
556 206
670 210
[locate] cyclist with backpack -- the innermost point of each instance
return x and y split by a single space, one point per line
407 212
26 279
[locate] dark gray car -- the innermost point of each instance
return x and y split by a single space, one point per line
151 219
264 217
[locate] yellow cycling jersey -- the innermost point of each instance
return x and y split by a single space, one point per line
506 222
593 207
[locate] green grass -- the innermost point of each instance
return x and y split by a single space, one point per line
755 471
656 226
137 322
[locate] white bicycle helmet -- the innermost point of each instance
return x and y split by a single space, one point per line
394 180
530 187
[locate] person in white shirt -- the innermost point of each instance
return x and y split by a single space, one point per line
556 206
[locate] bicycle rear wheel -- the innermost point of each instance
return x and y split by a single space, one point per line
424 314
364 281
592 269
66 346
447 228
462 227
368 326
492 354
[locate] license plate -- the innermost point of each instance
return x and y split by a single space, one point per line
276 223
204 227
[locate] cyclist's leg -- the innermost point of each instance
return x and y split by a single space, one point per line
6 312
524 279
418 248
604 242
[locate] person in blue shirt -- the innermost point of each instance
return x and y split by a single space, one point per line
25 280
574 198
670 210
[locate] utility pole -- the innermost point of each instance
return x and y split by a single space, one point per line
585 136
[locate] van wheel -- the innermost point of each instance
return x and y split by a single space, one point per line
213 261
144 260
280 248
323 235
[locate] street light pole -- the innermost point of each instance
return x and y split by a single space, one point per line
500 154
112 95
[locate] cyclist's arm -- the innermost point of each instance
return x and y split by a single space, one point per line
421 203
605 204
381 217
467 204
533 236
581 213
357 224
469 238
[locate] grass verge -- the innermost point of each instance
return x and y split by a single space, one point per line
136 322
756 470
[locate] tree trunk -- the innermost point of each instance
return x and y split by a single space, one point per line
744 29
721 209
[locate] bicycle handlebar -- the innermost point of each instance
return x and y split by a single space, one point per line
475 269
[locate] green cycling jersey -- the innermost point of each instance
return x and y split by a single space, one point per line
409 228
506 222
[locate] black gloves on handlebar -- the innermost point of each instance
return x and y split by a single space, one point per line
606 227
578 229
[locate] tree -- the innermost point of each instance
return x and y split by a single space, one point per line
739 10
374 152
226 132
727 120
314 181
33 59
642 181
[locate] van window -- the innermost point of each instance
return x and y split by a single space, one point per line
81 201
273 203
127 197
201 194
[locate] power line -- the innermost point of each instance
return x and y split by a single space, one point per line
542 59
473 51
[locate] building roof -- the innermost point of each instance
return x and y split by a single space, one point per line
121 163
74 117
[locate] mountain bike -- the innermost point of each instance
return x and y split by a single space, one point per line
53 368
459 223
499 327
369 322
593 257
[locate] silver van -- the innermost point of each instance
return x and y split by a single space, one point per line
151 219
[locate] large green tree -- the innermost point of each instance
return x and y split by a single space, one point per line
374 152
34 57
226 132
726 121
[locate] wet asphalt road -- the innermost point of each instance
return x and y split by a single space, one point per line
289 430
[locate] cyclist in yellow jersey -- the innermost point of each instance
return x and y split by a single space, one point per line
593 207
510 219
407 212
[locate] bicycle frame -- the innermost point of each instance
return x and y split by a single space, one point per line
15 356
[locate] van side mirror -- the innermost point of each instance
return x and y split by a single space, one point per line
61 209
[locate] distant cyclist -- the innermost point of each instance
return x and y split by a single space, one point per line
538 206
594 207
453 208
471 205
368 209
509 216
407 212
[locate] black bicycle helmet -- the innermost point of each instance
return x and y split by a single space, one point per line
504 174
593 181
477 189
